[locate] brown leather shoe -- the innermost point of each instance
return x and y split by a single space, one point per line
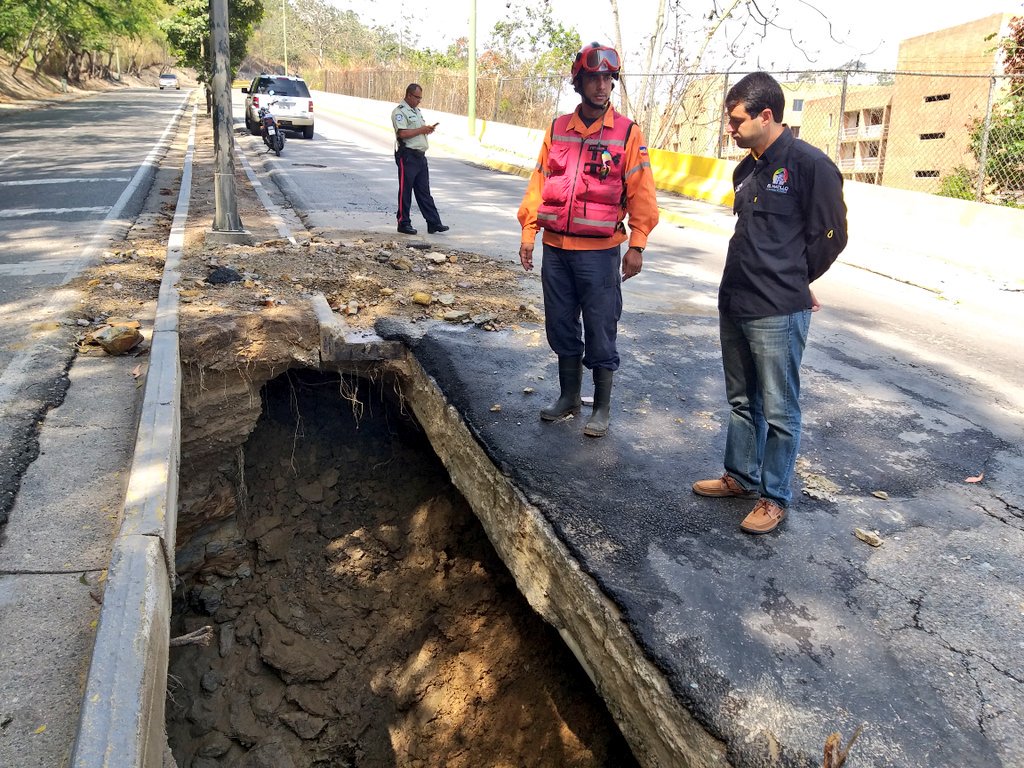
763 518
723 487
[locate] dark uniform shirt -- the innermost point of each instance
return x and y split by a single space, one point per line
791 226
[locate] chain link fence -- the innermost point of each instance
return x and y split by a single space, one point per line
530 102
949 134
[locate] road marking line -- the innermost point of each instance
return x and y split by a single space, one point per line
32 182
14 212
12 156
261 192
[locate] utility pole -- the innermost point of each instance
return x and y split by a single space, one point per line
284 32
471 110
227 227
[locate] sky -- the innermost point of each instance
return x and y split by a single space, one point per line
869 30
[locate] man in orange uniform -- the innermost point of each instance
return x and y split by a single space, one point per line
593 170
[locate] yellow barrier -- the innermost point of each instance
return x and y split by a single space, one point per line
699 178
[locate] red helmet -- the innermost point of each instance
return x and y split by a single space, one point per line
596 58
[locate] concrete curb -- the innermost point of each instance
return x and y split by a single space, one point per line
122 717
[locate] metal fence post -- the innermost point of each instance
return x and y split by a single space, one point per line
983 153
721 117
842 114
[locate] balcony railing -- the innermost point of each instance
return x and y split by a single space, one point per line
859 164
864 132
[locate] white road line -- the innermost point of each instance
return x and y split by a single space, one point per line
12 156
33 182
15 212
261 192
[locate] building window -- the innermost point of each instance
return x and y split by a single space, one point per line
929 136
937 97
798 105
926 174
795 130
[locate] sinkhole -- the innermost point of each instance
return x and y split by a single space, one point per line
360 615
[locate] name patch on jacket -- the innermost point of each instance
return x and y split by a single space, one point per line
779 182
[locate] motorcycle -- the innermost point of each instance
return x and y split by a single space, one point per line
269 130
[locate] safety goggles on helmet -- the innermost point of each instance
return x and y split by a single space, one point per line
596 59
600 60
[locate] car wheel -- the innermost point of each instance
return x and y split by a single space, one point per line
307 132
254 128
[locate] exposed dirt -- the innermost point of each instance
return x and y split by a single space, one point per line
373 624
361 617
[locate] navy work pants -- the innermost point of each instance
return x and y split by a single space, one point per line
587 284
413 176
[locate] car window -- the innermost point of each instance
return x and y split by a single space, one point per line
282 86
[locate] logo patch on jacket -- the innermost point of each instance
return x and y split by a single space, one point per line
779 182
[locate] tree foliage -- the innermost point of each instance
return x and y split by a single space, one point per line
188 33
686 40
74 38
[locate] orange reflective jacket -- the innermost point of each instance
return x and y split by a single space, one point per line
587 179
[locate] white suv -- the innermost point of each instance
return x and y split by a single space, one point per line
288 99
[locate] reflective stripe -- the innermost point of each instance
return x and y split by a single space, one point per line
610 223
546 216
636 168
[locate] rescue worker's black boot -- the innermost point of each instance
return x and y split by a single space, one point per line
597 424
570 381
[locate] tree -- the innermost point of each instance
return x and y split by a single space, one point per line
188 33
685 40
70 33
531 56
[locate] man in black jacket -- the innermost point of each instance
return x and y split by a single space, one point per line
791 226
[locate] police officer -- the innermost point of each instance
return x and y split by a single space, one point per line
411 133
593 170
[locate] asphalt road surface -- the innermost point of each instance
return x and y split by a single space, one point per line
72 177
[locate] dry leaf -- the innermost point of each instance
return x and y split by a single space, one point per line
976 479
880 494
40 729
868 537
137 371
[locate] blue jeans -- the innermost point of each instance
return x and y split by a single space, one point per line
761 359
587 283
